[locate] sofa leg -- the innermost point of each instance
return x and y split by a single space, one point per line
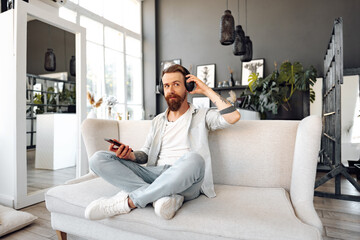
61 235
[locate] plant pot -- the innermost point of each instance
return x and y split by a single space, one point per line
248 114
298 103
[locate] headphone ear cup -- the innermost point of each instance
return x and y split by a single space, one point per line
161 87
189 86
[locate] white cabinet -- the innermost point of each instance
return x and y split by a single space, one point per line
56 142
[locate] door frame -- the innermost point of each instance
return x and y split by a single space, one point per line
22 10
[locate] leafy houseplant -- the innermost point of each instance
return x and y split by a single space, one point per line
275 90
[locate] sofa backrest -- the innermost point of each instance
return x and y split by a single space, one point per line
254 153
250 153
132 133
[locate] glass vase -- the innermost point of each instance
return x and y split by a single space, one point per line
109 113
92 113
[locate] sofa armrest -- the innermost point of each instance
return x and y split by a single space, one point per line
303 176
95 130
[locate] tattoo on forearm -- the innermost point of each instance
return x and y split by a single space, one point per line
222 99
140 157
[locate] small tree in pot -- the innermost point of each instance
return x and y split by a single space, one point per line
275 90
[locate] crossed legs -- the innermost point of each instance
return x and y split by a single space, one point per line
145 185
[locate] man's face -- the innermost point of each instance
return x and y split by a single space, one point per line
174 90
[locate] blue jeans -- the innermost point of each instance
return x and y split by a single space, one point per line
148 184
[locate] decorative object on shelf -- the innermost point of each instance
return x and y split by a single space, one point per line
268 94
227 27
73 66
68 96
219 84
206 73
225 84
231 79
94 105
167 63
110 102
255 66
232 98
201 102
248 50
50 60
237 83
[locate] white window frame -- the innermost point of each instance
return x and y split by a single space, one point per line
81 11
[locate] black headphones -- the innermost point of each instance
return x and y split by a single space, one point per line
189 86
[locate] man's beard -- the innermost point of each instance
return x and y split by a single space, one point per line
174 104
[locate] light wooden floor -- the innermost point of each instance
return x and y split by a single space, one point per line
340 218
38 179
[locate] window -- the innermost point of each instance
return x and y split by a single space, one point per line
113 51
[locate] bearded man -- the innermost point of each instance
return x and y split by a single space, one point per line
176 153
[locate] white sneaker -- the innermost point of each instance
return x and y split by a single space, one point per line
166 207
108 207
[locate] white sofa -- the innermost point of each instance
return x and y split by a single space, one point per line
264 173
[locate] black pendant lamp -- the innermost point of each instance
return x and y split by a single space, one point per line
50 60
73 66
227 28
239 44
249 50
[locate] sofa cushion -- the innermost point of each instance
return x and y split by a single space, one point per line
236 212
12 220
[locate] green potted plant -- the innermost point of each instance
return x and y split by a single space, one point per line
269 94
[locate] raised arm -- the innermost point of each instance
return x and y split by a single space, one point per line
229 112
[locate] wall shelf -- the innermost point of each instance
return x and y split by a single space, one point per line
231 88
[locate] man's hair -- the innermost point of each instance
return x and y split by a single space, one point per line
176 68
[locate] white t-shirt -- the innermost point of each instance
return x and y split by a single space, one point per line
175 142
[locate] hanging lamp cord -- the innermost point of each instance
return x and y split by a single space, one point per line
238 13
65 51
246 15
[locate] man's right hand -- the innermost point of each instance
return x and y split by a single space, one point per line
123 151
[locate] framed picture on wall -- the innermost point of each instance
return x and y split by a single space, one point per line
167 63
206 73
254 66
